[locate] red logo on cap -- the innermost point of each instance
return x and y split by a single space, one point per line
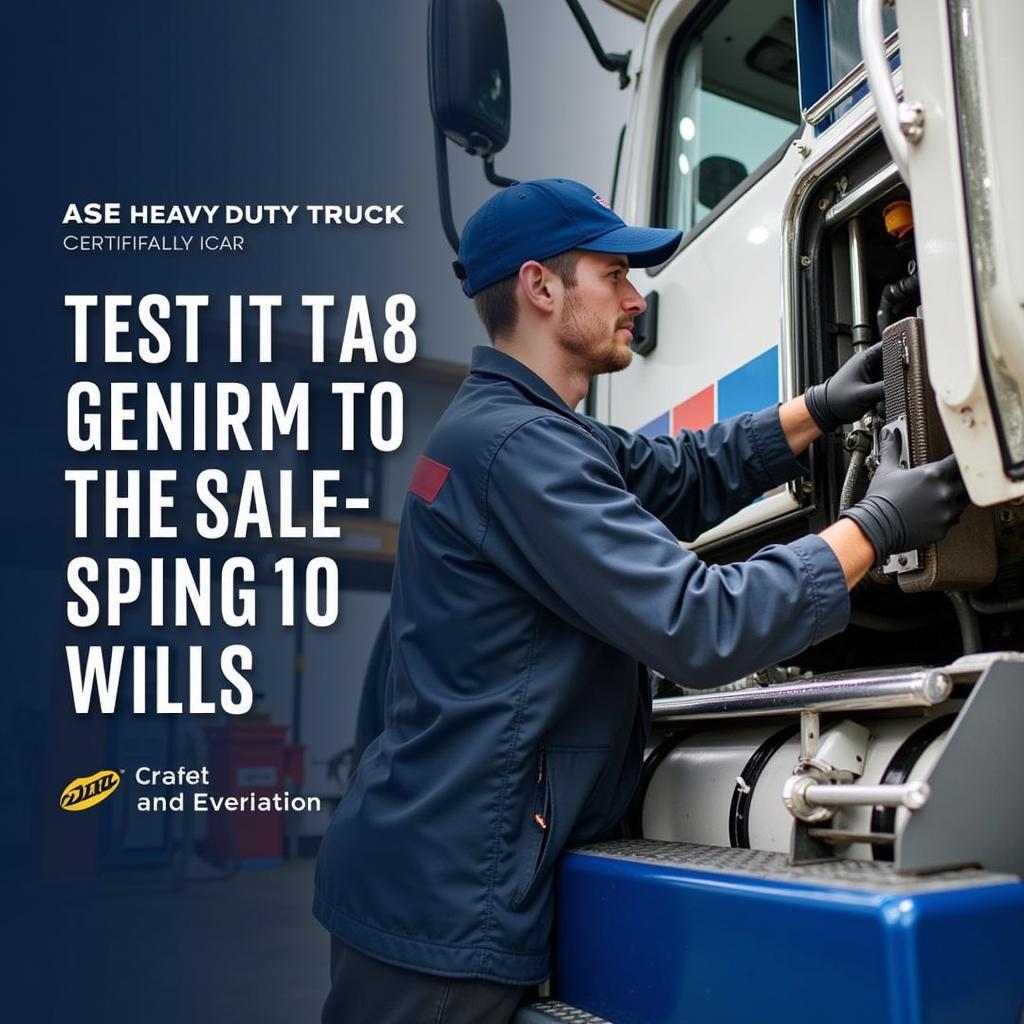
601 201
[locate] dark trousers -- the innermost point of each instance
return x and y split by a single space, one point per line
368 991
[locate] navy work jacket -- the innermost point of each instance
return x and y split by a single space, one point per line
537 566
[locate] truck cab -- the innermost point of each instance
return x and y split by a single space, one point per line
827 832
753 130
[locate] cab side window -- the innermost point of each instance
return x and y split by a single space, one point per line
844 45
843 41
732 101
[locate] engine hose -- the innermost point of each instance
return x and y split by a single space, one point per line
857 458
894 295
1015 604
968 619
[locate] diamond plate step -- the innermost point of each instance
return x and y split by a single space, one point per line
552 1010
844 874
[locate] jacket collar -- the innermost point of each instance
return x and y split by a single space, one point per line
489 362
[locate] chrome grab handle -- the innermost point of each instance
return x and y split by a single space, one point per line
902 123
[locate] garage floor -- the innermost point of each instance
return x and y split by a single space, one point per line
136 948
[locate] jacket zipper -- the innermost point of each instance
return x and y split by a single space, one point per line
539 818
542 823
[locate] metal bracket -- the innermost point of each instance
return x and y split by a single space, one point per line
839 756
810 738
807 847
970 817
903 561
617 62
910 117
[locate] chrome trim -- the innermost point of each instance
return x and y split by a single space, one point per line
865 193
847 85
858 281
876 67
831 149
913 795
922 689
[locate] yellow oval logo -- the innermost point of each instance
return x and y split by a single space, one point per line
80 794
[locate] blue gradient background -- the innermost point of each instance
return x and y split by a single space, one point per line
233 102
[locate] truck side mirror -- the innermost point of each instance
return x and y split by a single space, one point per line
469 74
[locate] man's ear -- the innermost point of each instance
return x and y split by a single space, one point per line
536 283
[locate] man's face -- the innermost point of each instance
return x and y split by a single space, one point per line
598 312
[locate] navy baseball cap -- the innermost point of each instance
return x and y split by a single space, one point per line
535 220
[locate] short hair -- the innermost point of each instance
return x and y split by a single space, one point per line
496 304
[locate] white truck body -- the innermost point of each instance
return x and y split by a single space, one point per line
723 298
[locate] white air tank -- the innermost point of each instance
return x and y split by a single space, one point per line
720 784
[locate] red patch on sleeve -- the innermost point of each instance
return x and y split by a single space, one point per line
428 478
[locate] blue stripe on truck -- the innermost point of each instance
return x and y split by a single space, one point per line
751 387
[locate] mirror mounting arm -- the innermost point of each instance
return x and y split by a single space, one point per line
494 177
444 194
609 61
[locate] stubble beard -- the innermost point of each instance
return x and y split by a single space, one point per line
586 337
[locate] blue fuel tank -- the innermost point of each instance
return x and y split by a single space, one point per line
673 933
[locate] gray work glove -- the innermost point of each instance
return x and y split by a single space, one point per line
854 389
905 509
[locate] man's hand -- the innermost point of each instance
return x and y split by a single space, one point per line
905 509
854 389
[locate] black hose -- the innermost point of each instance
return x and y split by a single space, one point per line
1013 604
895 295
851 479
965 614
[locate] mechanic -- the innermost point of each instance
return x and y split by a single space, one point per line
538 569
